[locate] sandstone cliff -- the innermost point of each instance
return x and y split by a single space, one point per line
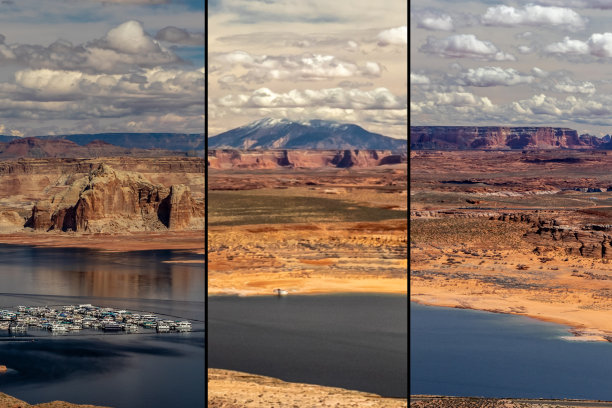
499 137
271 159
108 200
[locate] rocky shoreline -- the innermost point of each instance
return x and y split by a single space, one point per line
6 401
233 389
429 401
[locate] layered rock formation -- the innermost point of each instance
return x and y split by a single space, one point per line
108 200
270 159
500 137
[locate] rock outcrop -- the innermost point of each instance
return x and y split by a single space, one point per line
10 221
108 200
271 159
499 137
591 240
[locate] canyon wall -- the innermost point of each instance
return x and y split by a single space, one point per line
501 138
109 200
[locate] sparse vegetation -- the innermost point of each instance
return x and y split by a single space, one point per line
243 208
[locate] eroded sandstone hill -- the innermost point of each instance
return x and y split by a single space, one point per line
109 200
500 137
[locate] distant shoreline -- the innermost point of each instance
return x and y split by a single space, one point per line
192 241
578 330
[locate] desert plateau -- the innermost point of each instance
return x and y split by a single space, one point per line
307 222
520 232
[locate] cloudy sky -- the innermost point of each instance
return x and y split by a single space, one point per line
343 60
85 66
519 63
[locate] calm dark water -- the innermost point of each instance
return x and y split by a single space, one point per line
350 341
470 353
118 370
86 272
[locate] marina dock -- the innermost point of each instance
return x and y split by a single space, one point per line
74 318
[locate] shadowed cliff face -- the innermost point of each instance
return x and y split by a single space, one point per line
109 200
496 137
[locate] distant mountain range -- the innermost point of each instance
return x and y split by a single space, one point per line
502 138
314 134
103 144
33 147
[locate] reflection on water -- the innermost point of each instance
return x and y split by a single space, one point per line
85 272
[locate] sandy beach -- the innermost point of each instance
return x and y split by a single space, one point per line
516 281
233 389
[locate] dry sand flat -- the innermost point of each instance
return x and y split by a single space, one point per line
233 389
314 258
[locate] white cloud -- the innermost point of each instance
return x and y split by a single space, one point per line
434 20
585 87
525 49
416 79
594 4
59 84
130 38
122 49
568 46
533 15
460 99
465 46
598 45
494 76
340 98
393 36
305 67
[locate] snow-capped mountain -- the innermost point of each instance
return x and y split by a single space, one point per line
313 134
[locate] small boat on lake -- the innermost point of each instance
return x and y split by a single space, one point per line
131 328
183 326
111 326
58 328
162 327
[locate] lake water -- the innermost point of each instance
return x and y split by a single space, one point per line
471 353
119 370
351 341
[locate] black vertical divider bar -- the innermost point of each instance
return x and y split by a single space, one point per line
206 198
